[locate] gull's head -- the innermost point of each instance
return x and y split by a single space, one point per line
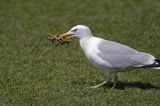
78 31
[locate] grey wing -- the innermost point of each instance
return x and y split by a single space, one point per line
121 56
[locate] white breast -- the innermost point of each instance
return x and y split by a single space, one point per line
90 48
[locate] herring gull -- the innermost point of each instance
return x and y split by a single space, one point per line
110 56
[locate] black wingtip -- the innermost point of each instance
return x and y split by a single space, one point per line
156 64
157 60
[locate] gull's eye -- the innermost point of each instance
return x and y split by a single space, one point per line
74 30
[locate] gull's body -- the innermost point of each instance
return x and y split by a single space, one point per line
113 56
110 56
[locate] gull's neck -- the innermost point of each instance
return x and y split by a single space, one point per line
85 36
84 41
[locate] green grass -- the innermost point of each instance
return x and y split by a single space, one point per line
35 72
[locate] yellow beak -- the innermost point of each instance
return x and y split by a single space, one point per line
66 36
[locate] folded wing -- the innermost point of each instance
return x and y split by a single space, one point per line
121 56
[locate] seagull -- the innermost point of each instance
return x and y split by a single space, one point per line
112 57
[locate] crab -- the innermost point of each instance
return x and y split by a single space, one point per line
57 39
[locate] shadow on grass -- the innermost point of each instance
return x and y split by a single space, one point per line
140 85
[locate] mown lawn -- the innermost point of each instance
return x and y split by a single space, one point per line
35 72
